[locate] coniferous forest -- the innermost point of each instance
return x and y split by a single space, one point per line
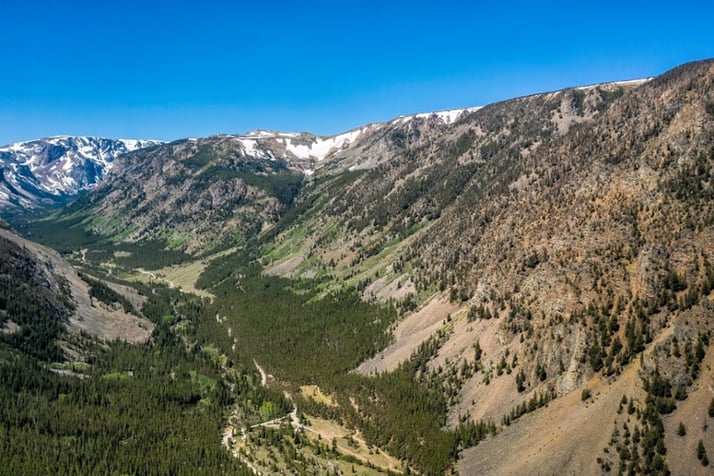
129 409
172 394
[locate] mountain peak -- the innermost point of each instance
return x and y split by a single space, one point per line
47 171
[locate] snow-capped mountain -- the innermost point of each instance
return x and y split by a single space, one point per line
47 171
308 151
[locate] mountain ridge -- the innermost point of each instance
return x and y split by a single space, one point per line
53 170
28 183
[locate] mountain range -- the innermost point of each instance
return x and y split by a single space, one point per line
51 171
54 170
536 273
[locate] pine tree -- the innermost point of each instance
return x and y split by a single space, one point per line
702 453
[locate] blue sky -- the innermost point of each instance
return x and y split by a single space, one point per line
176 69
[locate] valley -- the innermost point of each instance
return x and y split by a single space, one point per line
521 288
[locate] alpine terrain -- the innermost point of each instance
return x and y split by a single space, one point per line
54 170
520 288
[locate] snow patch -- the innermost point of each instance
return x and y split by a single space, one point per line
634 81
321 147
631 82
248 146
447 117
260 133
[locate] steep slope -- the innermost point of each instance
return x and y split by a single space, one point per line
575 231
197 195
599 248
190 195
74 404
43 300
309 152
50 171
412 173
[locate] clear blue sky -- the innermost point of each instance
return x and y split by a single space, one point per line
176 69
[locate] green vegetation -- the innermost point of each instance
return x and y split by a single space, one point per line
643 450
148 254
315 337
105 294
27 299
283 184
702 454
537 401
493 211
659 394
69 230
130 398
303 338
166 232
101 424
64 229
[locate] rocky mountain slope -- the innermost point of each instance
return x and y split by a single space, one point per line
44 302
308 152
574 231
552 257
197 195
53 170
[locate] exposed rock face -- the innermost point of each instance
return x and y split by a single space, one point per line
199 194
54 170
62 297
581 220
